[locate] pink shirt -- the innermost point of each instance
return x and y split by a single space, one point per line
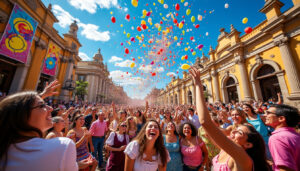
284 145
98 128
192 156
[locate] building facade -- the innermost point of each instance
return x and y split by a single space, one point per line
31 75
100 87
253 66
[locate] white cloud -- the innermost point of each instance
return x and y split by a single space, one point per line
92 5
90 31
125 9
171 74
64 17
149 68
122 78
125 63
115 59
84 57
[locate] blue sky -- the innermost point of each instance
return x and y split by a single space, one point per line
156 51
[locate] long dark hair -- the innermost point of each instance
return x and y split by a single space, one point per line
75 118
15 111
159 143
258 150
251 109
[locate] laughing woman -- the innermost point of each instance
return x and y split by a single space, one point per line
147 150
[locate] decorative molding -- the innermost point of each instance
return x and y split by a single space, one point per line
259 59
282 41
227 65
259 50
32 4
239 59
40 43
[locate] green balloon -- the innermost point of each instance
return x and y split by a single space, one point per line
128 35
188 12
193 19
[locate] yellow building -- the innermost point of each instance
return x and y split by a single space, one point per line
16 76
252 66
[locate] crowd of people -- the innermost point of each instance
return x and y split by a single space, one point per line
36 135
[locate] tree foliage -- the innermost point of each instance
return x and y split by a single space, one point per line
81 89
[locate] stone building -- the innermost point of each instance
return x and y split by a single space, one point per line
101 88
252 66
17 76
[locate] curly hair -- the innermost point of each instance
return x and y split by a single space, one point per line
193 128
159 143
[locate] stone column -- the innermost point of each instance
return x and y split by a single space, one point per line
69 70
183 94
209 89
215 85
178 96
244 76
289 65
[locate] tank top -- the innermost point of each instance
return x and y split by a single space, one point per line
220 166
192 156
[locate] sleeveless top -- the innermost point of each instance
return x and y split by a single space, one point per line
82 150
220 166
260 127
192 156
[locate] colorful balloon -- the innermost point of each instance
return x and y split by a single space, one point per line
166 6
180 25
128 35
127 17
185 66
148 14
132 65
200 46
194 53
186 4
144 12
113 19
197 26
126 51
132 39
248 30
139 28
144 26
200 17
188 12
134 3
193 19
245 20
177 7
226 5
161 1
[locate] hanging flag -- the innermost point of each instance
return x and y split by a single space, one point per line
51 59
17 37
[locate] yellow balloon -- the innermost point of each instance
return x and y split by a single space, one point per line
111 12
153 3
194 53
159 28
132 65
144 12
185 66
128 35
161 1
193 19
245 20
188 12
183 32
183 58
182 1
134 3
121 25
143 22
175 38
180 25
186 49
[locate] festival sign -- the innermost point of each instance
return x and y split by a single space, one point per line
17 37
51 60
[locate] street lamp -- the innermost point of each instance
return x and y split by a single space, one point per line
69 84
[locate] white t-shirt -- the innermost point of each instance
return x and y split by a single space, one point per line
110 139
56 154
195 120
132 150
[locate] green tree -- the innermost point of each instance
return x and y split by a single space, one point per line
81 89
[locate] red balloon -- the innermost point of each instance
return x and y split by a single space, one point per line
144 26
197 26
192 38
126 51
175 21
185 57
177 7
121 44
161 22
248 30
176 14
127 17
153 74
113 19
139 28
133 59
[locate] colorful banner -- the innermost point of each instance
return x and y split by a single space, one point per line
17 37
51 60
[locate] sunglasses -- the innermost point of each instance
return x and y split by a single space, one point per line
125 126
43 105
268 112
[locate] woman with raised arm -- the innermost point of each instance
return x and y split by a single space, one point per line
131 127
167 119
238 118
244 150
24 118
147 151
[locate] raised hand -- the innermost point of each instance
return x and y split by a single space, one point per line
195 75
50 89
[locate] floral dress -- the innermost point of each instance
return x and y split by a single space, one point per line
175 163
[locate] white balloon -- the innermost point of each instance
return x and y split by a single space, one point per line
206 33
165 6
226 5
186 4
132 28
